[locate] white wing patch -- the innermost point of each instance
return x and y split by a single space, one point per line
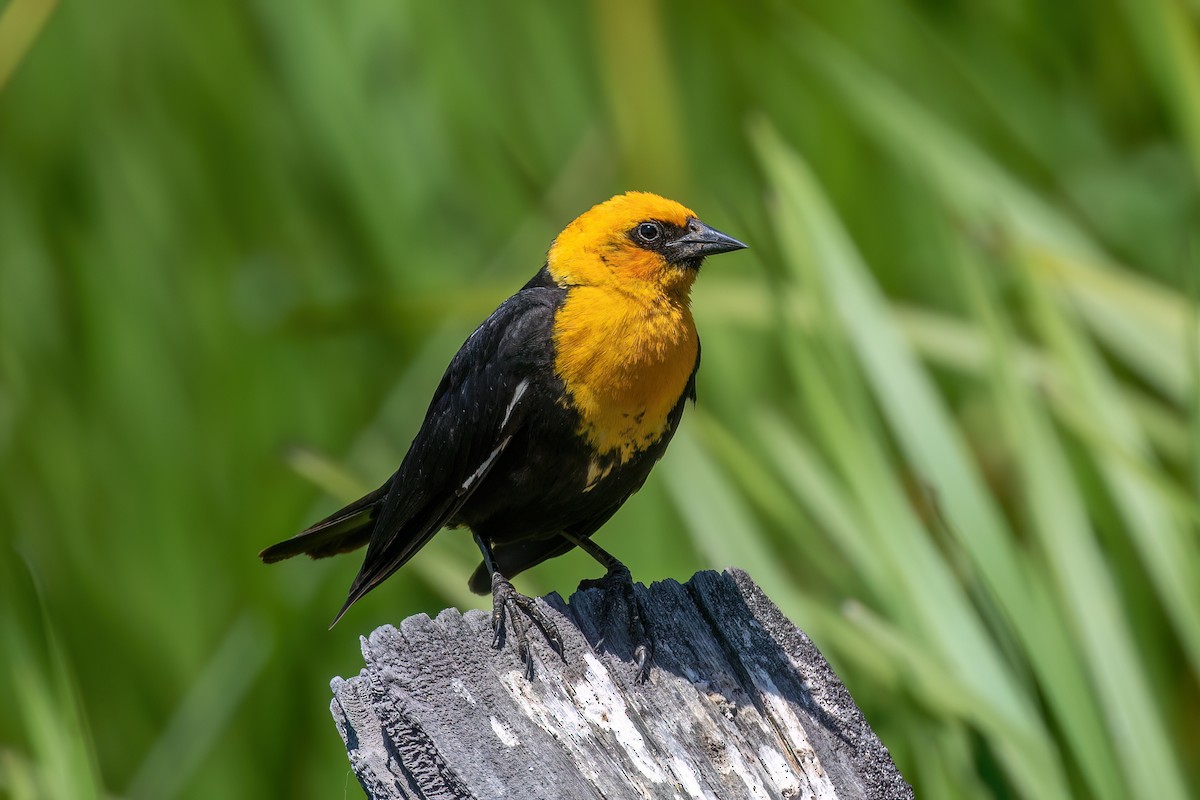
487 462
517 395
484 467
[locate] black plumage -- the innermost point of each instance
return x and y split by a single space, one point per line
534 449
498 452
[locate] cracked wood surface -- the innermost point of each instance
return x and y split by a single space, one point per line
739 704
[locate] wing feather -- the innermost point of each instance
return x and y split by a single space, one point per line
479 406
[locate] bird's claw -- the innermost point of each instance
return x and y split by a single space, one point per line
506 603
618 580
643 655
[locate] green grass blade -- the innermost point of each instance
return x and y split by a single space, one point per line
205 713
1143 324
1079 575
921 423
1161 536
62 761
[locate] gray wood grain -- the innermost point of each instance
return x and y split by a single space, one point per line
739 704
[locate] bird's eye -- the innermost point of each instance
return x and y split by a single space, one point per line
649 232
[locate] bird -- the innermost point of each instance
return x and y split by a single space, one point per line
549 417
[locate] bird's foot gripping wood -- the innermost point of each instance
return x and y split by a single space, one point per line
508 603
619 581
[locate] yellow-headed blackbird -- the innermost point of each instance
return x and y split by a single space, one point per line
549 417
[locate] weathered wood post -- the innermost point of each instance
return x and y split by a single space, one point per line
740 704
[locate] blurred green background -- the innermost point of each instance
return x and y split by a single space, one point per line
948 409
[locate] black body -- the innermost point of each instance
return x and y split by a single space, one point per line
499 452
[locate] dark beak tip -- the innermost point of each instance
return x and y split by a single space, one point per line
722 243
700 241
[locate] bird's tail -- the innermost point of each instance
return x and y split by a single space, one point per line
344 530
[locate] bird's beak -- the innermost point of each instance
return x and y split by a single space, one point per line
699 241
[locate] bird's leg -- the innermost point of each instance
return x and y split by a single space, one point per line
617 577
506 602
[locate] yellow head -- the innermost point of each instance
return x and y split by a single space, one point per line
638 242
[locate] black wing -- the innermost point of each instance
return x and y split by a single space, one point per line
481 402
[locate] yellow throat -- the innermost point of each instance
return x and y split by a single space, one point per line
625 364
625 342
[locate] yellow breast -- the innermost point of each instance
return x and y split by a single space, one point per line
625 360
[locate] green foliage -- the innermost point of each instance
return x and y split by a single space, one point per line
949 412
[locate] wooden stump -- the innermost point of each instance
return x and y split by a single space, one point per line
739 704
